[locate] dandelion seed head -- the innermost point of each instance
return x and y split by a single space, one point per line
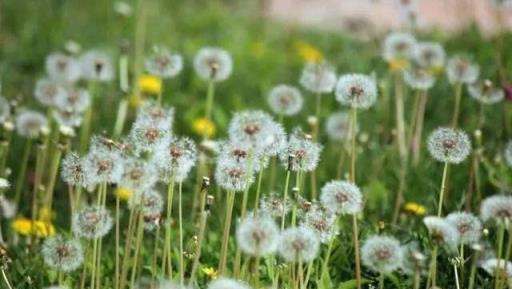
73 100
243 152
322 222
91 222
419 78
285 100
164 63
30 123
175 157
298 243
214 64
338 126
442 232
168 284
412 259
493 266
149 201
97 65
62 254
468 225
429 55
67 118
274 205
232 175
498 208
138 175
381 254
227 283
318 77
257 235
449 145
356 90
301 153
72 171
8 208
47 91
342 197
63 68
460 69
485 92
146 135
102 164
398 45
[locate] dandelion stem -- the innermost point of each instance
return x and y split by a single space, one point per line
230 201
6 280
400 122
258 190
456 276
443 188
116 278
381 280
353 152
357 259
499 253
456 109
202 226
433 269
209 103
167 245
285 197
472 273
180 220
87 123
418 130
23 171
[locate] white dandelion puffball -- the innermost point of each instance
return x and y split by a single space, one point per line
63 68
356 90
338 126
508 153
449 145
174 158
5 109
72 171
47 91
301 154
30 123
485 92
232 175
442 232
8 208
4 184
429 55
497 208
460 69
227 283
495 266
97 65
412 259
419 79
62 254
285 100
73 100
398 45
468 225
91 222
138 175
102 164
150 202
214 64
242 152
164 63
168 284
342 197
322 222
274 205
381 254
68 119
298 243
318 77
257 235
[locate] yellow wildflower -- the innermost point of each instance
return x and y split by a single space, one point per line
308 52
398 64
135 100
210 272
150 84
415 209
124 194
24 226
204 127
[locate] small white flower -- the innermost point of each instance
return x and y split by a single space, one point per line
318 77
301 153
429 55
342 197
419 79
47 92
91 222
381 254
30 123
356 90
398 45
63 68
469 226
497 207
285 100
299 243
442 232
257 235
338 126
226 283
62 254
96 65
449 145
213 64
485 92
164 63
460 69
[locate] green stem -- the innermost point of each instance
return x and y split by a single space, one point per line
456 109
23 171
353 152
472 273
87 123
499 253
230 200
357 259
180 220
443 188
209 103
285 198
381 280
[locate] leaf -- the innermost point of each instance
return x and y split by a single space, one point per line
351 284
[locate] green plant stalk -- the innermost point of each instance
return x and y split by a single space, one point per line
357 258
499 253
230 201
210 94
160 94
399 113
341 159
180 221
472 274
167 245
127 248
285 198
54 170
118 249
417 278
433 269
138 246
456 109
381 280
5 145
353 152
456 276
155 253
122 111
23 171
443 188
258 191
325 268
87 122
418 130
6 280
37 182
200 236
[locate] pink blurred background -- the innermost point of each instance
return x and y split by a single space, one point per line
450 15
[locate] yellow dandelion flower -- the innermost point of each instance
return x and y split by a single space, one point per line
24 226
210 272
204 127
150 84
415 209
398 64
124 194
308 52
135 100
